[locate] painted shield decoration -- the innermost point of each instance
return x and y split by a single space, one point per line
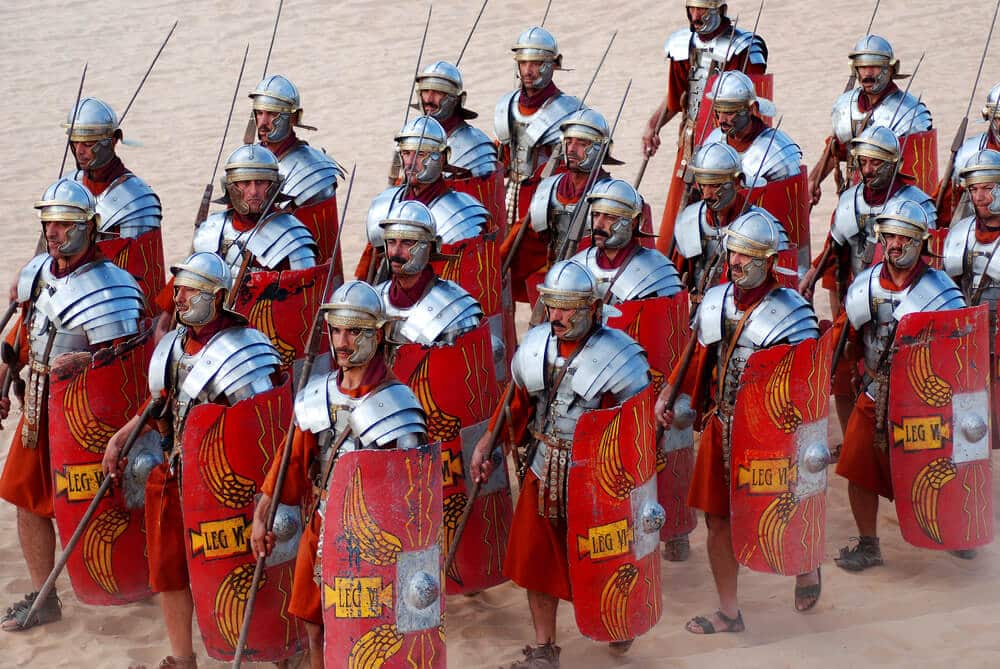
489 190
281 305
458 390
919 160
788 201
382 561
227 452
614 521
142 257
762 83
660 325
322 220
86 408
939 427
779 458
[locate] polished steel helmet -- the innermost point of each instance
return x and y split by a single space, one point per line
756 234
425 134
67 200
94 120
903 217
354 305
278 94
618 198
203 271
568 285
715 163
249 162
412 220
876 142
734 91
536 43
981 167
445 78
589 125
991 109
873 50
705 4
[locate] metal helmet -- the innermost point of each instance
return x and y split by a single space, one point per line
250 162
278 94
873 50
734 92
991 109
411 220
756 234
983 167
589 125
538 44
93 120
617 198
718 164
210 275
356 305
880 143
425 134
445 78
570 285
906 218
713 17
70 201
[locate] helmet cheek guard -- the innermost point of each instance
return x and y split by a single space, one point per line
77 240
754 273
201 310
281 128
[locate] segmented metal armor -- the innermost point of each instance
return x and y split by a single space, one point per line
278 238
308 175
767 159
128 207
457 215
648 273
445 312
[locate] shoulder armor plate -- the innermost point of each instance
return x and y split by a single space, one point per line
386 415
472 149
528 364
935 291
459 216
678 45
230 361
446 311
857 304
538 209
687 230
377 212
783 316
282 237
845 217
711 314
28 276
312 405
649 274
960 233
610 362
309 175
902 113
772 160
544 125
159 363
208 235
501 117
129 207
969 147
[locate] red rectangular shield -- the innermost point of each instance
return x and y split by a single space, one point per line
142 257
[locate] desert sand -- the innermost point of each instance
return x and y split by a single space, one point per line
353 62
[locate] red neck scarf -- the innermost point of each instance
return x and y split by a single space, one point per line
915 272
242 223
986 234
97 181
741 144
375 373
529 103
879 198
431 192
452 122
748 297
865 106
195 341
624 253
90 255
404 298
285 145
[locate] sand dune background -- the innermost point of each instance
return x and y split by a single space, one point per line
353 62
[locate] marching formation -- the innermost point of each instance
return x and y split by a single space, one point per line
309 467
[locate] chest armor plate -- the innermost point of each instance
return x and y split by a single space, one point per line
882 303
65 340
863 244
527 157
729 373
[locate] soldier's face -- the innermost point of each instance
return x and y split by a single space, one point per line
253 193
868 77
576 151
413 163
182 297
265 122
343 341
430 101
399 252
601 224
529 71
84 152
982 197
56 234
869 168
896 247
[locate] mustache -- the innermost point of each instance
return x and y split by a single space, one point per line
344 351
601 233
869 80
398 259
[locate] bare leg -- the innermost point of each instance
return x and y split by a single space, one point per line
725 568
178 611
844 406
543 609
38 545
315 633
864 506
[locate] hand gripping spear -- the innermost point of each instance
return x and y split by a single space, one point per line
312 344
250 133
956 143
206 198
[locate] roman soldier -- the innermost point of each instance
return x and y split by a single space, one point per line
526 120
700 227
358 406
955 204
876 101
709 45
623 269
211 357
308 175
584 133
736 320
876 154
424 152
878 299
424 308
74 302
563 373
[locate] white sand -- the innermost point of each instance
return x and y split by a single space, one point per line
353 62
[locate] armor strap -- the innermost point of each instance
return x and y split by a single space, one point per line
727 411
36 393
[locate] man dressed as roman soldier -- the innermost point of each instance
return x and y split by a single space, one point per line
736 321
74 302
526 120
584 134
564 373
709 45
359 405
308 175
211 357
876 101
955 203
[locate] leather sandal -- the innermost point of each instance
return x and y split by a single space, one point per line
807 596
704 625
